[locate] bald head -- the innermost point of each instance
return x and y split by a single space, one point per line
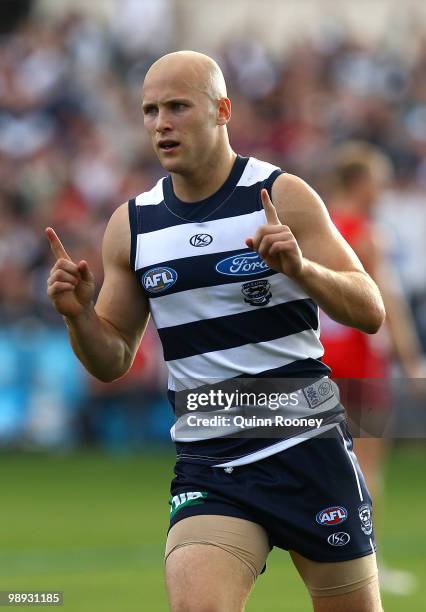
186 112
194 69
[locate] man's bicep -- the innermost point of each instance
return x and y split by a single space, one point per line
302 209
121 301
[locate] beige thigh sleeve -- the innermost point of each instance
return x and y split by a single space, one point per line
245 540
328 579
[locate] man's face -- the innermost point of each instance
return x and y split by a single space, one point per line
180 120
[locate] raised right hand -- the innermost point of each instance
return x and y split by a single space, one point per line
70 286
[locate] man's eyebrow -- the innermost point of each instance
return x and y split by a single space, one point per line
167 101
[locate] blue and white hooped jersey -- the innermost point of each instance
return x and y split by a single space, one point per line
220 311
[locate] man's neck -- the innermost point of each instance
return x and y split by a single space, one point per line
206 180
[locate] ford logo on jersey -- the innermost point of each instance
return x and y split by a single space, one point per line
159 279
332 516
242 265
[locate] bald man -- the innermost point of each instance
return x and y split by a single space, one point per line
231 257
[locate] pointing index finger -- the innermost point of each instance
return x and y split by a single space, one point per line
56 245
269 208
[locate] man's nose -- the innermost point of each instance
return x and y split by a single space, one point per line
163 121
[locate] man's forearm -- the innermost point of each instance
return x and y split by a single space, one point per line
98 345
351 298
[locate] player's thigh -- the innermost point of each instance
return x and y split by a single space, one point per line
343 586
212 563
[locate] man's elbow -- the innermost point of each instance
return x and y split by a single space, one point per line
111 374
375 320
108 377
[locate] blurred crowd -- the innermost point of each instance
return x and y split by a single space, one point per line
72 148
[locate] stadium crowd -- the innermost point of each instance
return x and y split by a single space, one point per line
72 148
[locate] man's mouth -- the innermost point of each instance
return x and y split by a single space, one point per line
168 145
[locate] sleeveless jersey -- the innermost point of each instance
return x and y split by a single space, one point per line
220 311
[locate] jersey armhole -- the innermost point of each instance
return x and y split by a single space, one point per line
267 184
133 222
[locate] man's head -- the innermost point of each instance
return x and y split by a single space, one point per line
186 110
361 170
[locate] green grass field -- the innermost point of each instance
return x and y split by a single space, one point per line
94 526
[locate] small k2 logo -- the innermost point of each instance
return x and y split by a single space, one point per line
201 240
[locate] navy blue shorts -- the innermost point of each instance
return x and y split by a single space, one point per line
310 498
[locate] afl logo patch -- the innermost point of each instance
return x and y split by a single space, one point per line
334 515
244 264
257 292
201 240
159 279
341 538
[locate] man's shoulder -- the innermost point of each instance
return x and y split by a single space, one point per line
293 188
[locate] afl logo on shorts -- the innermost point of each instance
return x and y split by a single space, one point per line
341 538
201 240
334 515
159 279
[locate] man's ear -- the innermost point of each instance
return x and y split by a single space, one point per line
223 111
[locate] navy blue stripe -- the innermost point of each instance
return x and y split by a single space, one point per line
221 333
195 272
133 222
302 368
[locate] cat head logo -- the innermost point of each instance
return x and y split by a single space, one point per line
257 292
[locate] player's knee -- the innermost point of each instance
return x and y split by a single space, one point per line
188 605
194 598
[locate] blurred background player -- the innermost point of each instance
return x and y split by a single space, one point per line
363 362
